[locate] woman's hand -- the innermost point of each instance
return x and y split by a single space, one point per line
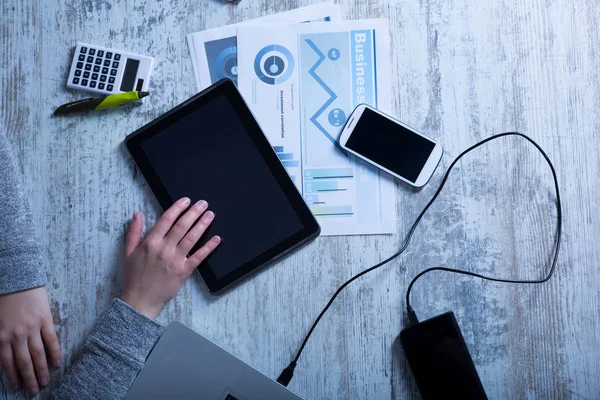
25 326
156 268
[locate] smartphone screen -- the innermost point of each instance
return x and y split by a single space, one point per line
440 360
390 145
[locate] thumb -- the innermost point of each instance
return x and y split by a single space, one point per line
134 234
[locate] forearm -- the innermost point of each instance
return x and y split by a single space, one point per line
21 265
112 356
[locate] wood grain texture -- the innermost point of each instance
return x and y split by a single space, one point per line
462 71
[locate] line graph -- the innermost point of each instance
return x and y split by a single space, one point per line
332 96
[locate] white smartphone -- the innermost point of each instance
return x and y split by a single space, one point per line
390 145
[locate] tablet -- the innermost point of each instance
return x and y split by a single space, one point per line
211 148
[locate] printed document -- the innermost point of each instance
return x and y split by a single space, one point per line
301 82
214 51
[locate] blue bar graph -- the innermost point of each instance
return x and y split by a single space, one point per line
322 186
285 156
313 200
293 163
287 159
329 173
337 211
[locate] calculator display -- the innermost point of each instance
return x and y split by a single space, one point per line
131 68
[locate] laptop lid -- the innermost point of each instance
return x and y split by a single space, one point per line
184 365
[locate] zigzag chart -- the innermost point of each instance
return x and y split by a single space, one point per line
332 95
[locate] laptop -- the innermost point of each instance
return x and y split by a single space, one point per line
184 365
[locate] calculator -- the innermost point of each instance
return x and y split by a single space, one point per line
107 71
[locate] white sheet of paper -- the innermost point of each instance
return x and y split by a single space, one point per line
214 51
301 82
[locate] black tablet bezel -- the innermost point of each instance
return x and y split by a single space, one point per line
226 87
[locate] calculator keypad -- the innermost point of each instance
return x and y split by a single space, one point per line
104 65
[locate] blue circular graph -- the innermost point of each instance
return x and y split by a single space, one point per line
226 63
274 64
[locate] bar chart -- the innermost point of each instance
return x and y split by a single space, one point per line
289 161
323 189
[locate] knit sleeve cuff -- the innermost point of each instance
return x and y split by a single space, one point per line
21 269
128 331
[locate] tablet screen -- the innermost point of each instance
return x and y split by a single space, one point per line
209 155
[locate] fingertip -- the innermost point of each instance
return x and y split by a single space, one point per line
57 362
202 204
216 240
185 201
138 221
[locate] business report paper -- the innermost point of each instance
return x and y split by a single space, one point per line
301 82
214 51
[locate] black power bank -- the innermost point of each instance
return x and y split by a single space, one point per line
440 360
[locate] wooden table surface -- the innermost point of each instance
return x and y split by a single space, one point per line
462 71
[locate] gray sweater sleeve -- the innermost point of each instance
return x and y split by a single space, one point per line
21 265
117 349
112 356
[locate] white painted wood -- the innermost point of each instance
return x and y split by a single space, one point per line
463 71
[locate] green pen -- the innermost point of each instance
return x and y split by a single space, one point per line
100 103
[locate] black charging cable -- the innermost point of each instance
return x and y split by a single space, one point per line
286 375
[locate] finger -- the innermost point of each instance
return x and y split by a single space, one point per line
134 234
201 254
166 221
25 365
9 367
183 225
52 343
38 356
196 233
